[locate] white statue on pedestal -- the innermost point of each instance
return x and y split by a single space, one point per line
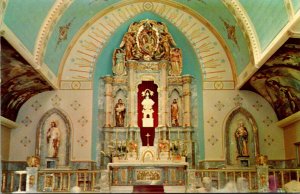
147 109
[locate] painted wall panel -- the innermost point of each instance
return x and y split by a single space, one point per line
76 105
217 107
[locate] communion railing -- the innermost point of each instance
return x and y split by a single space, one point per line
220 177
56 180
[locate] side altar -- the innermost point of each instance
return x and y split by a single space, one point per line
146 136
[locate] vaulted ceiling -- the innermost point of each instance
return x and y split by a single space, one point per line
230 39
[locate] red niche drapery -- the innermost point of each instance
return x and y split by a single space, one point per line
150 130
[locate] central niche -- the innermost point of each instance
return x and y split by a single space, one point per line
147 102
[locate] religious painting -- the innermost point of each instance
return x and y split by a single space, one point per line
19 81
278 81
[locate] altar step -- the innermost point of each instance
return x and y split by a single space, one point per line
148 189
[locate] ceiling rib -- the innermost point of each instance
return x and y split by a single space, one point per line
244 20
45 31
44 70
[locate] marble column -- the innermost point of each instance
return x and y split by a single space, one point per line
163 99
132 108
108 80
187 79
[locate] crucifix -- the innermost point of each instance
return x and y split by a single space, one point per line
148 139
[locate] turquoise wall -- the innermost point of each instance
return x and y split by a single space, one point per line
210 10
296 5
20 15
83 11
266 27
190 66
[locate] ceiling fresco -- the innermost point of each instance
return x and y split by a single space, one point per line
19 81
278 81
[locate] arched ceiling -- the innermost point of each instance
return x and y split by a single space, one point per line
64 40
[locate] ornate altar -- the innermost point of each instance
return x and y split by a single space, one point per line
147 103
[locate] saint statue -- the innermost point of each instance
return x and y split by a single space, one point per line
241 136
118 62
120 110
176 61
174 113
147 106
147 103
53 140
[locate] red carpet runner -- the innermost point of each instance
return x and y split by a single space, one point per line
148 189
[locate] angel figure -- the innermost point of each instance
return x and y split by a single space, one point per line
166 42
128 42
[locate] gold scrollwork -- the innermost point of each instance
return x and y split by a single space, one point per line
147 175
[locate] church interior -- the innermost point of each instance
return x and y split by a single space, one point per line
133 96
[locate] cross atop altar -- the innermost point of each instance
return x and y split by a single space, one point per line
148 139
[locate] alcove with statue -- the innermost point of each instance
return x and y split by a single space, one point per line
241 136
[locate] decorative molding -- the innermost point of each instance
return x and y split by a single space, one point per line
257 105
43 70
289 8
289 120
25 141
219 105
267 121
82 141
26 121
243 19
8 123
193 26
56 100
82 121
212 121
269 140
75 105
238 101
46 29
36 105
213 140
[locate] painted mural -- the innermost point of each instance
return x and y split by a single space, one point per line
278 81
19 81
